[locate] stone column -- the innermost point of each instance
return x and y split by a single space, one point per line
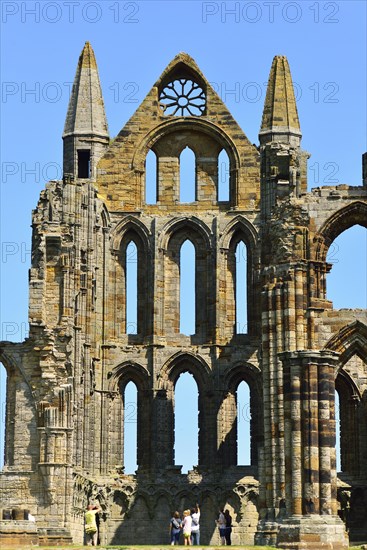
227 430
144 429
272 456
309 387
207 177
168 180
162 433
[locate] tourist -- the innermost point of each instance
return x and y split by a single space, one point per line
195 527
186 527
175 528
221 522
91 530
228 529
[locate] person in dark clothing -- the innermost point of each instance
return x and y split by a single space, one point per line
228 529
175 528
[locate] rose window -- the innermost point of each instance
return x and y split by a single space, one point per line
183 97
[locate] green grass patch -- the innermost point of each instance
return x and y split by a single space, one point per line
146 546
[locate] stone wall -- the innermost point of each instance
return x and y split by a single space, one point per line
66 382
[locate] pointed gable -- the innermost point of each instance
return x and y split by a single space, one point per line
181 66
181 110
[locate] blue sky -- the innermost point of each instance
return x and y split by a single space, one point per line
233 44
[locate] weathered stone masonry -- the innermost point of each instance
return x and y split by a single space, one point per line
66 382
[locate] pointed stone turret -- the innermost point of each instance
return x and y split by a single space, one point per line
85 133
283 164
280 117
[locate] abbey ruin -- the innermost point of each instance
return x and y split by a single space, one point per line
64 442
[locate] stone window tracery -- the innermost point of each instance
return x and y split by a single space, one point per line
238 285
199 270
183 97
240 429
132 284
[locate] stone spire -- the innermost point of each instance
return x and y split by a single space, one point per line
280 117
86 132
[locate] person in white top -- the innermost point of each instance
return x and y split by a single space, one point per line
221 522
186 527
195 527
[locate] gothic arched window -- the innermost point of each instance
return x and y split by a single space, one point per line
151 190
132 302
348 257
187 176
351 418
243 424
130 419
241 288
187 288
186 422
223 176
131 288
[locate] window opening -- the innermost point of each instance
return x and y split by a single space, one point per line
131 288
223 176
349 420
187 176
243 425
84 163
241 288
151 191
130 428
348 256
187 288
183 97
186 422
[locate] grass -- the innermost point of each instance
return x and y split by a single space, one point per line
159 547
137 547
